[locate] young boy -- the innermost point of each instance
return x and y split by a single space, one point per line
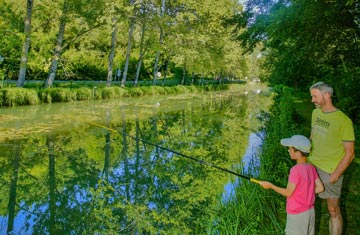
303 183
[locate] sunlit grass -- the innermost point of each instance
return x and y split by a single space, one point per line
13 96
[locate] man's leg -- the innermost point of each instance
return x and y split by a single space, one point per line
336 221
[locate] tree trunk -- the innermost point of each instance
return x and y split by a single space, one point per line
26 45
220 77
58 47
142 52
165 72
52 186
184 74
112 53
128 50
157 57
13 189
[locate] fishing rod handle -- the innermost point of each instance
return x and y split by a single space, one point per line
255 180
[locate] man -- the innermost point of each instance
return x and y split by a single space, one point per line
333 139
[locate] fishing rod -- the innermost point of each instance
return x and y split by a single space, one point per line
177 153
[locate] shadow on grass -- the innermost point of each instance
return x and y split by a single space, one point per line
350 199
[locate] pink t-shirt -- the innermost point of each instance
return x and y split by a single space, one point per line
303 198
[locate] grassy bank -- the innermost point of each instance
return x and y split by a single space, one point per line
259 211
13 96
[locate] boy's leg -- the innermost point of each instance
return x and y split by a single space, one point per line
302 223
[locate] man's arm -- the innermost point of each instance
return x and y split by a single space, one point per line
345 162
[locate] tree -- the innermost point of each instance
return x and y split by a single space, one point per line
26 44
162 9
308 41
112 52
58 46
130 38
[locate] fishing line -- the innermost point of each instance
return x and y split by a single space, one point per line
177 153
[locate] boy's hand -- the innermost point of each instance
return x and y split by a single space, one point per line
265 184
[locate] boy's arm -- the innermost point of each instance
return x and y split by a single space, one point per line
287 192
319 187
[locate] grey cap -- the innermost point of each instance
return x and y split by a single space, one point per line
299 142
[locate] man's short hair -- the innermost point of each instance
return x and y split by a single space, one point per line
323 87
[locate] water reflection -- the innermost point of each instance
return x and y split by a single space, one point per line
249 164
84 174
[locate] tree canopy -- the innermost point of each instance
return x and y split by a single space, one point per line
307 41
91 39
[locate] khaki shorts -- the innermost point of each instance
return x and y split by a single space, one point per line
331 190
301 224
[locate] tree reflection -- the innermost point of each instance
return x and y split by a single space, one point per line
93 180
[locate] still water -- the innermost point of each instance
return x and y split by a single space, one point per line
113 167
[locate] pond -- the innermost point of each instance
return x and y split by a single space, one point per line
128 166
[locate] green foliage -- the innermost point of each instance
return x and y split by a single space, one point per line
112 92
84 94
252 211
50 95
45 96
191 33
307 41
108 93
169 90
62 95
158 90
18 96
180 89
69 91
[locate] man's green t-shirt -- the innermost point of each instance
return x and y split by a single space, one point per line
328 132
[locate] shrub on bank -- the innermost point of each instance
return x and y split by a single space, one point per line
84 93
18 96
63 94
107 93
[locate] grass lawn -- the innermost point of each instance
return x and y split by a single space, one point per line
350 197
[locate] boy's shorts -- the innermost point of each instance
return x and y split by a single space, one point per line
331 190
300 224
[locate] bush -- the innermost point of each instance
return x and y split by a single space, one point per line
108 93
137 91
84 94
45 96
31 97
62 95
180 89
18 96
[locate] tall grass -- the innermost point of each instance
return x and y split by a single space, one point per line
255 210
14 96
